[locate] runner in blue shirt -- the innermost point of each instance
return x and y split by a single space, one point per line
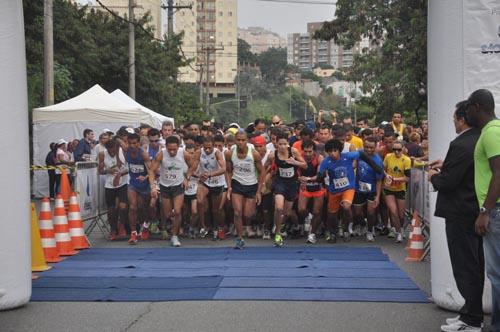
341 186
368 187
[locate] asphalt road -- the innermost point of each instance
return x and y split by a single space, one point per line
233 316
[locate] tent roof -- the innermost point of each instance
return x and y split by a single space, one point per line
123 97
95 104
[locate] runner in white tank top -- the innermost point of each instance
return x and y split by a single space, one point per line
112 166
175 168
245 176
211 170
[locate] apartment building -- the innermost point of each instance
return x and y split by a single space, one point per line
260 39
210 32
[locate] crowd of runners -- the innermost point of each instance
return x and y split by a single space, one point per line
323 179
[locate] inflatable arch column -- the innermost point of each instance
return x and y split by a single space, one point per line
15 240
463 36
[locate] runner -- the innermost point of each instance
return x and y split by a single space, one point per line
152 149
285 186
368 187
243 166
397 167
138 191
211 169
265 208
338 167
311 189
175 168
190 207
112 165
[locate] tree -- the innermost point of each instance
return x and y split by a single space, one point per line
273 66
245 54
91 47
394 70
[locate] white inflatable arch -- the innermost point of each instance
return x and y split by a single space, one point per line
460 33
15 223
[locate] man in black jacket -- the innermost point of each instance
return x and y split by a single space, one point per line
457 204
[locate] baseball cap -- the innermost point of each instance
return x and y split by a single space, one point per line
258 140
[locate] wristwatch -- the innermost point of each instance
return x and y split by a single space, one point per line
483 210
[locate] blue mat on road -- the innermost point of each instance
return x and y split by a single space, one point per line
256 273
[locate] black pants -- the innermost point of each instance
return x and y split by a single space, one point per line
52 183
467 262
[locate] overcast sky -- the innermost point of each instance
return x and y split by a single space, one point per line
282 18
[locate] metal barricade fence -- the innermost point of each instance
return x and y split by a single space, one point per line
90 190
417 201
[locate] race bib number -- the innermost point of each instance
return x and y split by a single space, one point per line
136 168
287 172
365 187
171 176
243 169
213 181
340 183
192 187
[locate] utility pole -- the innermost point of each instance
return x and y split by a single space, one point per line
200 65
131 50
170 14
207 67
238 92
48 53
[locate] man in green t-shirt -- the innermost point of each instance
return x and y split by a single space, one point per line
481 114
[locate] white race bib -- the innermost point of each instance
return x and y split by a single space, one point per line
287 172
340 183
214 181
134 168
365 187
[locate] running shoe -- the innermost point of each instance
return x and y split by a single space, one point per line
453 320
221 234
175 241
278 240
399 238
259 232
369 237
349 229
153 228
203 232
112 236
357 230
266 235
328 236
145 234
392 233
133 238
230 230
214 235
239 244
460 326
311 238
347 237
340 233
250 232
192 233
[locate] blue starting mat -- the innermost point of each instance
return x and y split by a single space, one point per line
256 273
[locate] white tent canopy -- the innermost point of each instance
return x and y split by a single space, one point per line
95 109
156 117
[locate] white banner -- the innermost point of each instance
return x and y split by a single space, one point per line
481 46
87 186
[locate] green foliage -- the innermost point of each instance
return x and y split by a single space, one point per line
273 66
394 71
245 55
91 47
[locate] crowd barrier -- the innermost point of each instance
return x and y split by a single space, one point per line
417 203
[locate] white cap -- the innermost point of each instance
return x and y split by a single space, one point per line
106 130
61 141
234 124
130 130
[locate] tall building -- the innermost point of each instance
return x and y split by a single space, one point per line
142 7
210 29
261 39
306 53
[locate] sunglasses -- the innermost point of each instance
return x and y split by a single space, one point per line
397 150
276 123
154 140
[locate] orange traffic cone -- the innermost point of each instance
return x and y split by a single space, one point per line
416 250
38 263
411 232
63 241
75 222
47 233
65 188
